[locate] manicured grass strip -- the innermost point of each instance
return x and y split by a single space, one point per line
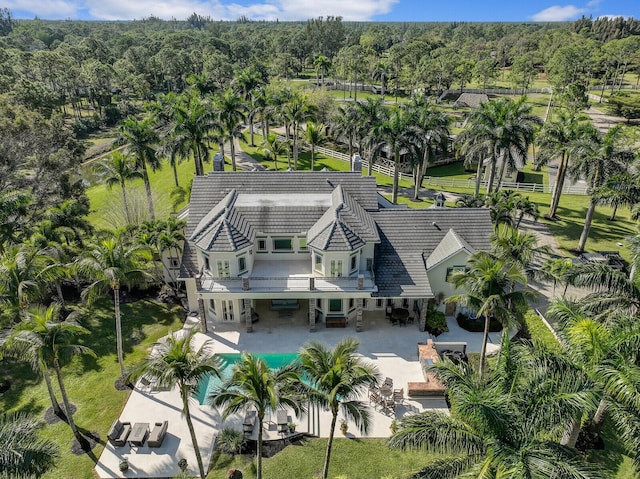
539 331
90 382
350 458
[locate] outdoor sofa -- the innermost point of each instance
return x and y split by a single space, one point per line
119 432
157 434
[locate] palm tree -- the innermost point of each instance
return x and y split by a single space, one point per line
371 112
44 341
489 285
602 350
22 450
380 73
117 169
597 158
396 135
338 378
13 209
322 65
175 361
253 385
519 248
345 125
192 122
506 425
141 138
296 111
109 264
558 138
557 270
274 146
71 214
619 190
246 82
231 115
431 131
170 239
21 276
502 128
314 135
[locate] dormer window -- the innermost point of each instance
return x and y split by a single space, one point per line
242 264
223 269
281 245
317 262
353 263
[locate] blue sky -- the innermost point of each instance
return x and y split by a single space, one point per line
363 10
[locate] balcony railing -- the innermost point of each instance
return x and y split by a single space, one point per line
363 282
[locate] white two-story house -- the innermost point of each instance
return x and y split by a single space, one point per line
321 242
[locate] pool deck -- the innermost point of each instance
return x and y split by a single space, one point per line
392 349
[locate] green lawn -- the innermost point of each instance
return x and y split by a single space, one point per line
350 459
90 382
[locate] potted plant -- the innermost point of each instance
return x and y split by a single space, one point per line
124 465
292 427
393 427
182 464
344 427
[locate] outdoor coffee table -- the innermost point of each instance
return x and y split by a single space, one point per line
139 433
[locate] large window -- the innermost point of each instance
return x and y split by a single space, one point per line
212 305
335 305
317 262
281 245
207 265
242 264
223 269
353 263
336 267
454 269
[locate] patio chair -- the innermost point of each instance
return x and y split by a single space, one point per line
249 421
388 382
373 388
398 395
119 432
156 437
388 405
375 399
282 421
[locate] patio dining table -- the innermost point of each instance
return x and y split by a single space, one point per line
401 315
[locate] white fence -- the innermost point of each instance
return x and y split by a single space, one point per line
531 187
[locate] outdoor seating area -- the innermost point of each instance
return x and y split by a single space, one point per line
399 316
385 397
122 433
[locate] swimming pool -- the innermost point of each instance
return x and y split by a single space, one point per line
274 361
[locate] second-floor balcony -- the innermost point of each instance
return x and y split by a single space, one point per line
287 276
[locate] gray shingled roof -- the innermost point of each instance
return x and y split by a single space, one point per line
409 235
240 222
345 226
450 245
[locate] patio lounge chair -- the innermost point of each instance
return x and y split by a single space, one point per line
157 434
249 421
282 420
119 432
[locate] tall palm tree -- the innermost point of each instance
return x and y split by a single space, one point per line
141 137
117 169
598 158
519 248
371 112
322 64
192 121
338 378
72 214
22 450
170 239
296 111
489 285
175 361
395 133
557 270
314 134
505 425
246 82
45 341
345 125
230 109
13 209
558 138
253 385
109 264
431 131
502 128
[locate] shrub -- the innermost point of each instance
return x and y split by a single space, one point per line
436 322
230 441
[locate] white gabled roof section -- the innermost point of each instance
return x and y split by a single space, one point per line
451 244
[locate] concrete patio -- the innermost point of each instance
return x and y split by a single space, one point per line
392 349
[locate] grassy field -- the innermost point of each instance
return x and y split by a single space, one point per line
90 382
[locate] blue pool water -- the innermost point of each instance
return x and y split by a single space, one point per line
274 361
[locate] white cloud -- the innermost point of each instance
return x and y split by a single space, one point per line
227 10
49 9
557 13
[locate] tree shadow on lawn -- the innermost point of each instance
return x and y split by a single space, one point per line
135 317
22 378
612 456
